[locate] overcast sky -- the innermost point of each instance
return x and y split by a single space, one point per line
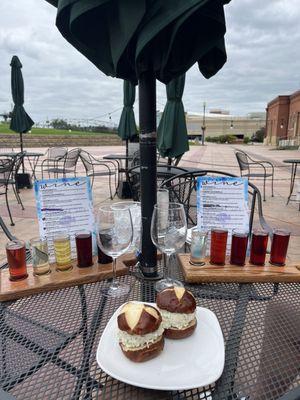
263 43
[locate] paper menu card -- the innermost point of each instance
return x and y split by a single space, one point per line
64 205
222 202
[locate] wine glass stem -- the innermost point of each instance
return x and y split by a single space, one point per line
114 269
168 269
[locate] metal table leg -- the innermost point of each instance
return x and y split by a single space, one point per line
293 175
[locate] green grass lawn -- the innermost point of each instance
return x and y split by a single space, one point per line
4 128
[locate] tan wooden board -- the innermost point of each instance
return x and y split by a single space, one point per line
231 273
11 290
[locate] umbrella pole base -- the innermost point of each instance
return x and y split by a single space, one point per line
141 277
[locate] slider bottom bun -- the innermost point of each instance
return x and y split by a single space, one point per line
174 333
145 353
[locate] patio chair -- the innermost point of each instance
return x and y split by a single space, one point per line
164 172
8 169
246 165
183 189
97 167
53 156
61 165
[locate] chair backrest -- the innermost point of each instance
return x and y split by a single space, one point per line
86 160
71 158
56 152
183 189
242 160
164 172
134 152
136 159
6 169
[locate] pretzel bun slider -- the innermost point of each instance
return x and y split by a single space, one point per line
140 331
178 310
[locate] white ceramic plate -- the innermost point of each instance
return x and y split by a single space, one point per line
188 363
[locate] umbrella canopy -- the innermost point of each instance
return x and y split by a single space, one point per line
141 41
20 120
172 139
127 126
126 38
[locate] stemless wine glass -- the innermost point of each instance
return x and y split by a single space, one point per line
114 238
168 233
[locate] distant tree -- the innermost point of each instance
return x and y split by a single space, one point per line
259 135
6 116
59 123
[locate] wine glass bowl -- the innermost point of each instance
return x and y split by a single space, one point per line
168 233
114 239
135 211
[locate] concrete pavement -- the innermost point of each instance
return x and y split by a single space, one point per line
211 156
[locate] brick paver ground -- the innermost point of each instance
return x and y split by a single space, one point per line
212 156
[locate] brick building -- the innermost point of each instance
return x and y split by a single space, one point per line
283 119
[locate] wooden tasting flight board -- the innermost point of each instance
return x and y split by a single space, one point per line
11 290
231 273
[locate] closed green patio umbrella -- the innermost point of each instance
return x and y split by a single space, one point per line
127 126
172 139
20 120
141 41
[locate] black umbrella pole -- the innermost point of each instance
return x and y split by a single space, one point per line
147 112
21 145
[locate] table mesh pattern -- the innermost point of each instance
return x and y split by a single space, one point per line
48 342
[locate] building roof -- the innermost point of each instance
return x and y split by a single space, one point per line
286 97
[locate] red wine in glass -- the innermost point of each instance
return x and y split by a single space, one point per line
279 247
259 244
102 257
218 246
84 249
238 247
16 259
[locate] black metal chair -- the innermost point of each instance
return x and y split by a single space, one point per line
246 165
61 165
9 167
183 189
97 167
164 171
53 156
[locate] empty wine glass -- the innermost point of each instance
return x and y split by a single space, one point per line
135 211
168 233
114 238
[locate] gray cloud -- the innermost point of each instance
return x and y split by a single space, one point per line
263 61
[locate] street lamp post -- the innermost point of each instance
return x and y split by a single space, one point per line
203 127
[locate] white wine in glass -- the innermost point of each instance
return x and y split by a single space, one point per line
168 233
114 238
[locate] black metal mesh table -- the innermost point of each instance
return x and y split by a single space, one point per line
48 342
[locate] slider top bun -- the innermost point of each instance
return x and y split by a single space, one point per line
139 319
176 300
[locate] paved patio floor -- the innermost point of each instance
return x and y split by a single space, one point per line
212 156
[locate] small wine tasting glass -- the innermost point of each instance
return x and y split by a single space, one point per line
280 242
168 233
198 247
84 248
258 249
218 243
62 251
114 237
40 256
16 259
239 245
